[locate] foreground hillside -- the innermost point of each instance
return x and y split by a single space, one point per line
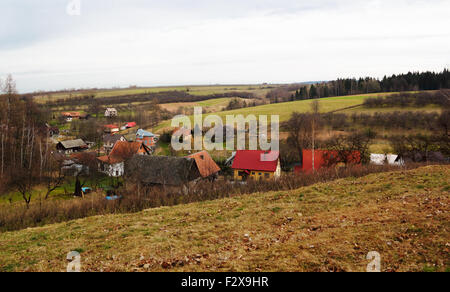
402 215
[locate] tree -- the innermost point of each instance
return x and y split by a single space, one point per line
299 128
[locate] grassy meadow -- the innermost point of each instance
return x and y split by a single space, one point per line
323 227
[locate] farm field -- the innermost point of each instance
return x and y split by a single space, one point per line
210 104
324 227
258 90
341 104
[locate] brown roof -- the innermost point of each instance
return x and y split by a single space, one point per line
161 170
205 164
111 138
123 151
71 114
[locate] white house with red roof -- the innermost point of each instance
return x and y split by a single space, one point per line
256 164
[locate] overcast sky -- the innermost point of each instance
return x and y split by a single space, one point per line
172 42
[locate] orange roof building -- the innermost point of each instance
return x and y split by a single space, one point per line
205 164
113 164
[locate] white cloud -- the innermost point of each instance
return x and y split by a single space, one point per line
177 46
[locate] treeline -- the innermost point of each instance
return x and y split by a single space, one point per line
420 99
162 97
24 149
412 81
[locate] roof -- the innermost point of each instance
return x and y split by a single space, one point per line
256 160
205 164
110 138
142 133
123 151
111 109
111 126
161 170
71 114
73 144
131 124
80 157
380 159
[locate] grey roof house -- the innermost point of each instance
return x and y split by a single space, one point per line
71 146
162 170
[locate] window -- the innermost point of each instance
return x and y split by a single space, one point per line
267 175
259 173
241 173
253 173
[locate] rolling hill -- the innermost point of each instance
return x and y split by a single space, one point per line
324 227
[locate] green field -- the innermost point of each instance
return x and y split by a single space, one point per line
285 110
324 227
258 90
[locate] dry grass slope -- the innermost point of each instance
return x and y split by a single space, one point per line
403 215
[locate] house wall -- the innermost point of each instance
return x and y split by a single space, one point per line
319 158
147 141
259 175
114 170
254 174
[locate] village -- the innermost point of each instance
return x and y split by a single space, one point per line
127 150
222 136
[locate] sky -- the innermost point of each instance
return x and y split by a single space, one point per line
118 43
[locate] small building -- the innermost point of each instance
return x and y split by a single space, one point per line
110 140
111 129
256 164
70 116
162 170
327 158
111 112
78 164
114 163
205 164
149 139
71 146
389 159
130 125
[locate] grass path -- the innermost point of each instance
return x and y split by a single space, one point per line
402 215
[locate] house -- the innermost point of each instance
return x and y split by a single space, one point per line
111 129
130 125
205 164
256 164
326 158
71 146
390 159
78 164
70 116
49 130
230 160
149 139
110 140
114 163
162 170
111 112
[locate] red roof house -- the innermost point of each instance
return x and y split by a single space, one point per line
131 125
256 164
